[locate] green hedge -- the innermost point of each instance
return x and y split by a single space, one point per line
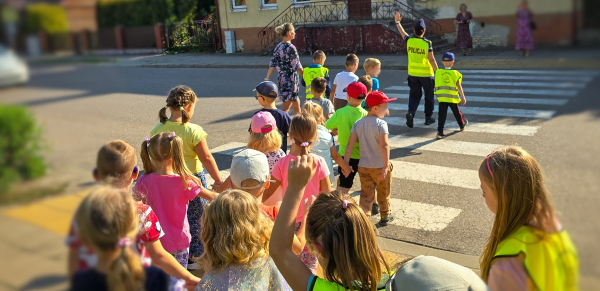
20 147
111 13
49 18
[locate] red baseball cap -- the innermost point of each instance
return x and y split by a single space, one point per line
356 90
378 97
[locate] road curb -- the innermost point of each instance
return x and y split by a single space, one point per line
413 250
225 66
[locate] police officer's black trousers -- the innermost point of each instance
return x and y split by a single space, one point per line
415 84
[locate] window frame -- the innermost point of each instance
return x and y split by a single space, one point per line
237 8
263 6
300 4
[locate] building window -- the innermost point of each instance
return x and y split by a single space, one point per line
238 5
301 3
268 4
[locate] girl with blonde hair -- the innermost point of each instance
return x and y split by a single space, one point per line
107 221
528 248
168 186
238 234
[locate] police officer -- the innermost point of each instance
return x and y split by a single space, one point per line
421 70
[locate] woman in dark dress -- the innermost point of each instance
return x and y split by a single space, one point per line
463 38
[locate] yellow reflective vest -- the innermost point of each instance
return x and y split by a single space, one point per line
445 85
418 63
310 74
551 260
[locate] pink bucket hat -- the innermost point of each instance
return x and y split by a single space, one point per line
261 120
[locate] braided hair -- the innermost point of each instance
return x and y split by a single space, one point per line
179 97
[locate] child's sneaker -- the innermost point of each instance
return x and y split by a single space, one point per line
440 135
463 127
192 266
409 120
375 209
384 221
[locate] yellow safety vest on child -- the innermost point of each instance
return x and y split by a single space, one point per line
550 259
418 62
310 74
445 85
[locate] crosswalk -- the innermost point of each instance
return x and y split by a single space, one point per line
516 101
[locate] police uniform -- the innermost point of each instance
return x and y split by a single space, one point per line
420 74
446 92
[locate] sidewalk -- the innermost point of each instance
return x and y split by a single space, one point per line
34 256
489 58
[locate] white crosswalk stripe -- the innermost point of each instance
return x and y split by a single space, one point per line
507 112
419 215
526 84
436 174
539 101
493 128
443 146
532 72
584 79
563 93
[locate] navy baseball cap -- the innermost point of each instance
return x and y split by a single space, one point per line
267 89
420 24
448 56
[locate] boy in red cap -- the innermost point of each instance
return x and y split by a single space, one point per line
374 168
343 119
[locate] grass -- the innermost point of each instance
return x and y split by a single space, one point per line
31 194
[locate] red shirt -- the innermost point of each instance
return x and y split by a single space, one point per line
271 211
149 231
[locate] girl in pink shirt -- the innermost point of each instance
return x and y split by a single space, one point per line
303 132
167 186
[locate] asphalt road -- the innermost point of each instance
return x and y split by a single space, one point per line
435 190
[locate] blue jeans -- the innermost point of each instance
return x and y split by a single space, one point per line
194 214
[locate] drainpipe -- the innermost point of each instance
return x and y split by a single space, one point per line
218 12
575 29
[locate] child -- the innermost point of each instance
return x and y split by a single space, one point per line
343 236
374 168
116 166
250 172
303 132
372 67
318 88
368 82
324 145
266 94
182 102
342 80
266 139
108 222
238 233
447 88
528 248
168 186
343 119
316 70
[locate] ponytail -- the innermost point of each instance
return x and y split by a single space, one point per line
145 155
303 131
126 272
283 29
162 115
184 115
179 166
313 109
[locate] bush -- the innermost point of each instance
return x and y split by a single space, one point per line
20 147
49 18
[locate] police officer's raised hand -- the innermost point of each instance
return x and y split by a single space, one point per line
397 17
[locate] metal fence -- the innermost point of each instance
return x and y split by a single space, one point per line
197 36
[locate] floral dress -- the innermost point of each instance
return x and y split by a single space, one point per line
524 38
464 39
286 60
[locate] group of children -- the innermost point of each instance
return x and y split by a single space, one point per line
276 218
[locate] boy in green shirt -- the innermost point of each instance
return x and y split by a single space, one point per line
343 119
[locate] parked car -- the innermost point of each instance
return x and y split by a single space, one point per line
13 70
